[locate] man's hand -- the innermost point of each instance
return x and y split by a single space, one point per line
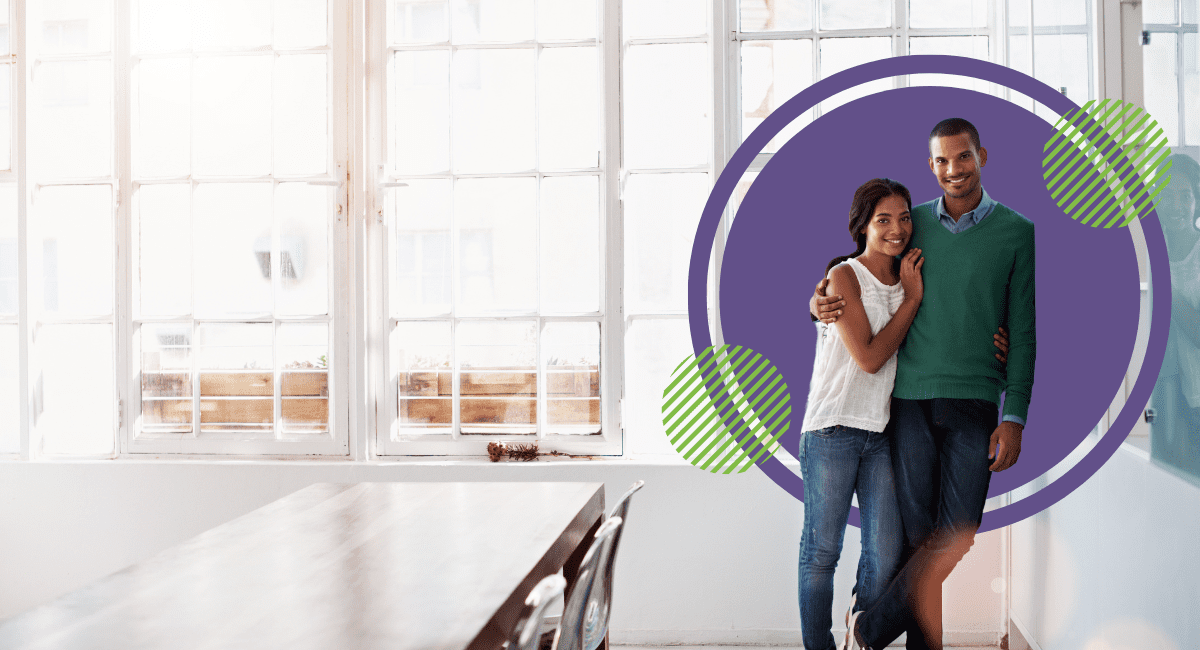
1005 446
1001 341
825 309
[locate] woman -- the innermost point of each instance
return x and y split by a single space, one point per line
1176 403
843 448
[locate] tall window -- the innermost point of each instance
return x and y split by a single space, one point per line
1171 61
493 175
71 234
235 195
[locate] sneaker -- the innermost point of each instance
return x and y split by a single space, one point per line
851 640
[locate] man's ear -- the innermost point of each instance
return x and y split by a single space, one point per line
931 165
982 156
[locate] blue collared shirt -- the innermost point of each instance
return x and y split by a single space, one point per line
967 219
964 222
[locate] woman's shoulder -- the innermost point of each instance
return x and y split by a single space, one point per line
843 278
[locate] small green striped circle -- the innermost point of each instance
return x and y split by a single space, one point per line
1106 163
726 409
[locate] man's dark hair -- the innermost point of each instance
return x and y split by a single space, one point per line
956 126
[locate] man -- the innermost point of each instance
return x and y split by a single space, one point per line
979 271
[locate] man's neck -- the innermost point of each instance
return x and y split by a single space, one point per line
958 207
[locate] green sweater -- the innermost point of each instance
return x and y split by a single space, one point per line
975 281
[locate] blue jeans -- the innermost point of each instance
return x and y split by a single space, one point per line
837 462
939 452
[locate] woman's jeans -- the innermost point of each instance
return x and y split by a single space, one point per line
836 463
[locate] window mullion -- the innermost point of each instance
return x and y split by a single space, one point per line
612 340
29 438
126 383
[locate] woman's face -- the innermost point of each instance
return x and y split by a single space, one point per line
1177 205
891 226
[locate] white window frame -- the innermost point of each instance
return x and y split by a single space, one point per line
1189 142
362 418
126 367
382 388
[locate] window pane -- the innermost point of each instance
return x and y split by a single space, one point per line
163 25
667 101
975 47
649 18
69 26
231 24
497 244
233 245
5 115
1191 89
492 20
421 271
570 243
839 54
653 348
420 95
301 23
164 249
493 110
232 115
498 377
661 213
10 398
74 396
162 145
77 249
568 114
237 378
571 361
421 364
567 20
301 124
71 119
1159 11
947 13
5 45
419 21
8 250
838 14
304 377
775 15
1053 13
772 73
166 378
1162 83
1060 61
302 218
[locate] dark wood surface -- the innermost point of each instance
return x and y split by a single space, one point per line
368 565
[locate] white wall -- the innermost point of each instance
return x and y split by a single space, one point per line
1116 564
706 558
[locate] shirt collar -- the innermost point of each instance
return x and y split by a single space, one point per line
982 210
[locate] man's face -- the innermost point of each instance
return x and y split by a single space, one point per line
956 164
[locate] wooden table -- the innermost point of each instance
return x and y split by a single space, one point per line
367 565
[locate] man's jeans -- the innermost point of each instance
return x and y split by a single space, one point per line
940 457
837 462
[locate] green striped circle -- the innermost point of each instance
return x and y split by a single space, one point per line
1106 163
726 409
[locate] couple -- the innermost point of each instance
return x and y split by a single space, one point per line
904 399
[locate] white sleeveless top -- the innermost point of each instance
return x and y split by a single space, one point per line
840 391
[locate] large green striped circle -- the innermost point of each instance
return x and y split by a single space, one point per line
1106 163
726 409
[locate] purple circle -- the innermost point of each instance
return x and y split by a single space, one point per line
1087 278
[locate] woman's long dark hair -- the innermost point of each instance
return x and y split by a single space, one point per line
866 197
